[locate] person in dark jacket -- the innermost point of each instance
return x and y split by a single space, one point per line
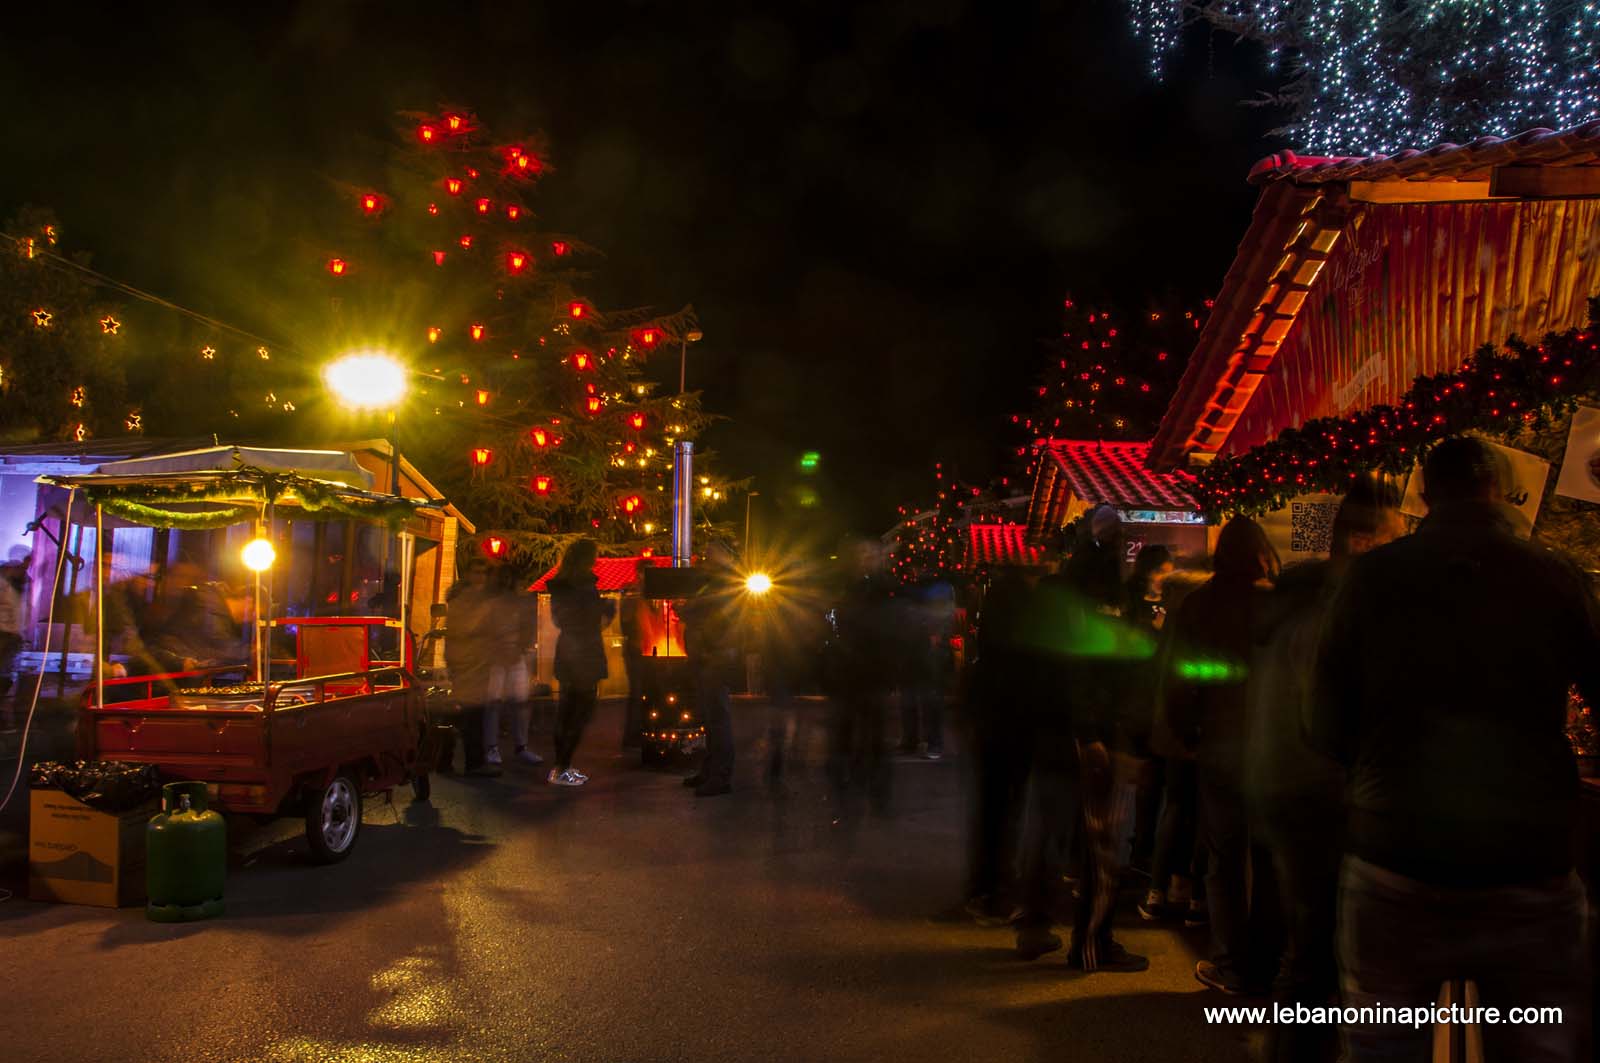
1442 680
1144 612
1204 705
581 615
711 640
1296 793
862 677
467 655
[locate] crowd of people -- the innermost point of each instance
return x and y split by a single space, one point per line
1355 771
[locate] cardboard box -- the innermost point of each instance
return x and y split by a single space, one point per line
81 855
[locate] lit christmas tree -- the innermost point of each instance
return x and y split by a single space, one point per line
62 342
930 541
1110 374
533 412
1364 76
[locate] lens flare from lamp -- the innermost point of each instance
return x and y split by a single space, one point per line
258 555
366 380
758 583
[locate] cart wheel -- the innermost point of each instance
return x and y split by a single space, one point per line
421 786
333 819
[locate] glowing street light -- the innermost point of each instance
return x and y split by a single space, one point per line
258 555
758 583
366 380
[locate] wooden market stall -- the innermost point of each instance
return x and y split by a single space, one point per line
1358 276
1077 475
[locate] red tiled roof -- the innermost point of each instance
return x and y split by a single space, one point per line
1115 474
1579 146
613 573
1000 545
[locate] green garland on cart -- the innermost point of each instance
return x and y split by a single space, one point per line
147 503
1499 391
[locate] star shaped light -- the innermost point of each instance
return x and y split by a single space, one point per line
109 325
42 318
208 352
134 421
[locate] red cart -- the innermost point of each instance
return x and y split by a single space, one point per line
343 724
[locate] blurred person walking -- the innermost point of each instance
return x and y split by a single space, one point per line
1297 793
862 678
580 615
1144 611
510 645
712 644
469 632
1204 705
1441 687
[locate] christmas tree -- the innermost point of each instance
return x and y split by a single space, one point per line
1363 76
931 540
62 342
531 410
1110 374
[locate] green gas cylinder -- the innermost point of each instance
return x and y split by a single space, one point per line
186 856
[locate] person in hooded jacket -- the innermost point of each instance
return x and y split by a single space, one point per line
1205 687
580 614
1296 792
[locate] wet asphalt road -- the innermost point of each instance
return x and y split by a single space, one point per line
624 921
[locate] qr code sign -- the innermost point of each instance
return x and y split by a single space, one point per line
1311 526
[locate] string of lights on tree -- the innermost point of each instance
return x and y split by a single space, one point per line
1499 391
1364 76
932 541
1109 375
543 425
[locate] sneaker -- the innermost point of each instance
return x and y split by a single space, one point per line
566 778
933 754
1221 979
1111 957
529 757
1153 909
1035 941
1196 915
581 777
985 912
492 756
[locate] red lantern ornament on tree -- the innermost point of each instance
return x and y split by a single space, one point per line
540 437
427 134
632 504
513 211
559 248
577 310
593 403
433 208
541 485
466 241
636 421
372 203
516 261
337 266
483 397
475 331
433 335
581 360
494 547
484 206
482 456
438 258
649 337
455 123
452 185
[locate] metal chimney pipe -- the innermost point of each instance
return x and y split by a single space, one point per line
682 503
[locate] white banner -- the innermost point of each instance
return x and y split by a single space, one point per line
1529 473
1303 529
1580 469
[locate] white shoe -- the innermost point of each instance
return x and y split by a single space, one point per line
581 776
528 756
566 778
492 756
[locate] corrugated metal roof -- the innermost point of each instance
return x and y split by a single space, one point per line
1002 545
1579 146
613 573
1116 474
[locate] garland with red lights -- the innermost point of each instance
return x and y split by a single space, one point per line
1499 391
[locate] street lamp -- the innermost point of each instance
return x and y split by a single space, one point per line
748 496
366 380
693 336
758 583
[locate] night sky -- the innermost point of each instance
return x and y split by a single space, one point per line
875 207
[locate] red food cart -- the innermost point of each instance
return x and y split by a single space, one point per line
308 731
